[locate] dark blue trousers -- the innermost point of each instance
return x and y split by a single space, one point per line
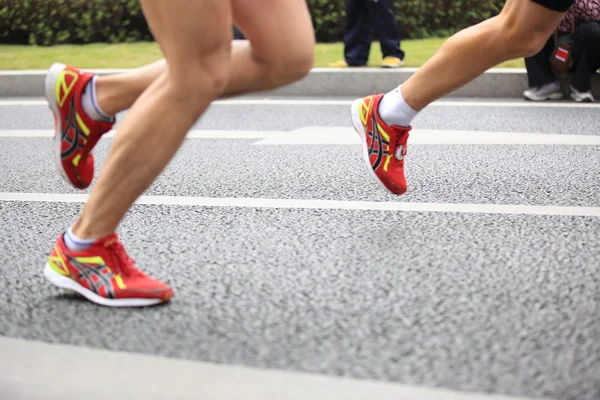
365 20
586 57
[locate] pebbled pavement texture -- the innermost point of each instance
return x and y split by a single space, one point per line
492 303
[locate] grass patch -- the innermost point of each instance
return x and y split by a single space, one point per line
131 55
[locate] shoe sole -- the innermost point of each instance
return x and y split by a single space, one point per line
555 96
584 100
360 129
50 91
67 283
388 66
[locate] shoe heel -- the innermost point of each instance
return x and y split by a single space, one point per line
57 279
50 93
50 85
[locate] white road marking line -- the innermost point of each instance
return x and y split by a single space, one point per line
247 202
21 103
194 134
25 367
325 102
26 133
346 136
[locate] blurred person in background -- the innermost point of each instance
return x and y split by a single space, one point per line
575 48
363 18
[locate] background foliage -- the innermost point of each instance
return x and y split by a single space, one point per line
47 22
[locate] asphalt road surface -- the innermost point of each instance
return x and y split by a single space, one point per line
286 256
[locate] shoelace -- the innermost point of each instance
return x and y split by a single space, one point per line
126 263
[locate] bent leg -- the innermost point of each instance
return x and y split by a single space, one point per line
279 50
383 122
280 47
197 54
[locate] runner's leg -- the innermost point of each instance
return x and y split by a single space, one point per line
383 121
198 55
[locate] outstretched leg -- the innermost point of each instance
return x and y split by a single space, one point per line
198 58
383 121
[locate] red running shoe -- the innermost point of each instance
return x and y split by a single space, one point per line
76 133
104 274
384 146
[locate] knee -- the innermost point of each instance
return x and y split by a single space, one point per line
526 42
289 65
198 77
522 40
588 31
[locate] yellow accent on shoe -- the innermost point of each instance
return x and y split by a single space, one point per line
387 162
82 125
392 62
76 160
339 64
58 265
364 109
91 260
383 133
120 283
61 83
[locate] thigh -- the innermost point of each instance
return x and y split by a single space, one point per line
187 30
275 27
540 17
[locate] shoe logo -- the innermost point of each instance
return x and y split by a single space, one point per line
377 144
365 109
57 263
64 84
400 153
95 273
74 124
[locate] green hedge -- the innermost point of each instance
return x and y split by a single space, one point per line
47 22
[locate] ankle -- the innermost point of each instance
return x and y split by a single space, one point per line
75 242
84 231
91 105
394 110
106 95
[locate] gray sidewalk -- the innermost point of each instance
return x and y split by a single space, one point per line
498 83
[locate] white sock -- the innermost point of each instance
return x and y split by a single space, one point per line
393 110
90 105
76 244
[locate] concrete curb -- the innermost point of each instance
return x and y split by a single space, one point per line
352 82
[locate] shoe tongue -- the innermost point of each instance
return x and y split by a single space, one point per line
398 128
401 129
108 240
